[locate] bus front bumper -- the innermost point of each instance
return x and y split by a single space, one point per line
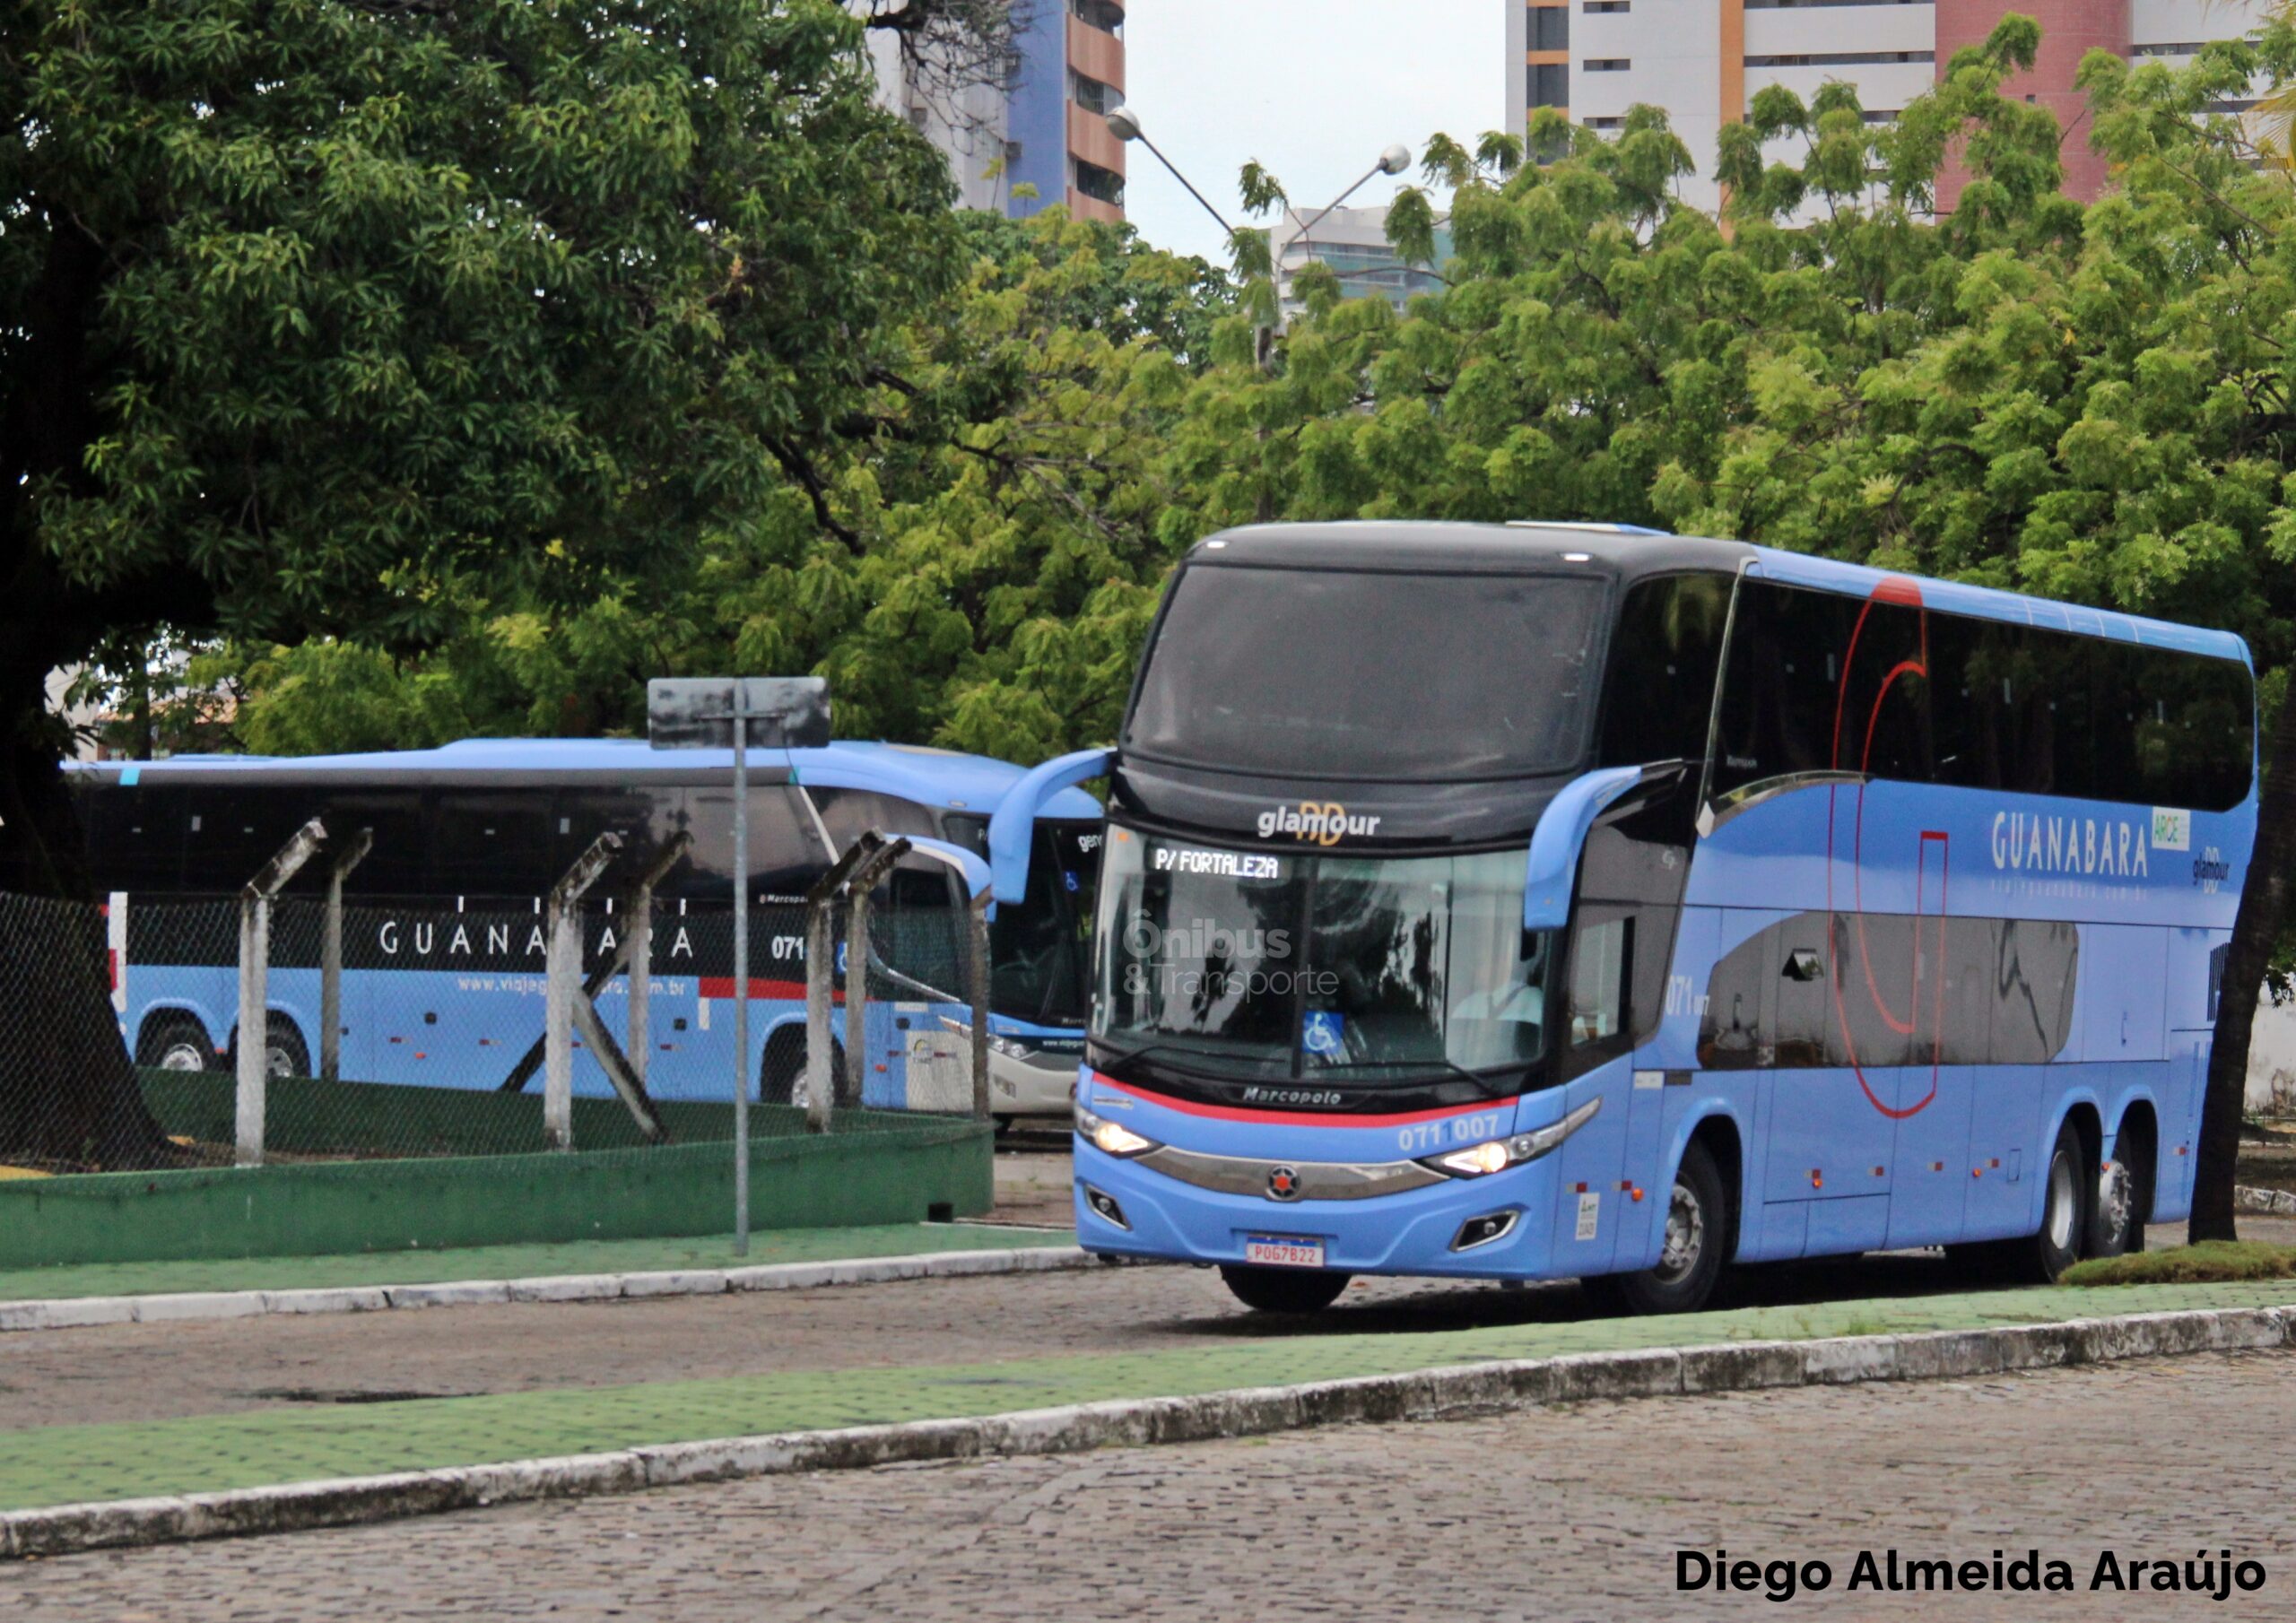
1419 1231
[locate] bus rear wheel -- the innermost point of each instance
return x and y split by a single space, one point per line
2065 1212
284 1053
2122 1201
1692 1256
1284 1289
175 1042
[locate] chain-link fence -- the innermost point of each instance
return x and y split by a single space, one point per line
417 1028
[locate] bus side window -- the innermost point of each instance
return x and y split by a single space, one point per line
1665 657
1601 960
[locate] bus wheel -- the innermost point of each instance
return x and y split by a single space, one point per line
1284 1289
1691 1259
2116 1213
284 1053
781 1077
2065 1212
175 1042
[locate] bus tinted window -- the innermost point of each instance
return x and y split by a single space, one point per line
1820 682
1335 673
1664 659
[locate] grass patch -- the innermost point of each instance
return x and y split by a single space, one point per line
2210 1261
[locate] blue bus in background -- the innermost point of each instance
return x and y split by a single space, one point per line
443 942
1538 900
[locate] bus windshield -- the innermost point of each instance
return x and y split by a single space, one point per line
1039 948
1358 674
1358 972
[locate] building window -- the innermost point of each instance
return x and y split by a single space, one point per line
1105 186
1550 84
1550 29
1840 58
2186 47
1607 64
1605 123
1608 5
1090 94
1106 16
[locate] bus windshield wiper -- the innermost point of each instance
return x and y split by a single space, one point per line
1489 1087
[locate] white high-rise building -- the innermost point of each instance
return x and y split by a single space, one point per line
1703 61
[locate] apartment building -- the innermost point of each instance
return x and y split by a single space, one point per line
1353 242
1035 120
1704 60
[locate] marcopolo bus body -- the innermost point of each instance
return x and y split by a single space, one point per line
444 952
1534 901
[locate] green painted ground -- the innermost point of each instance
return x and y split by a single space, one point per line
509 1261
64 1463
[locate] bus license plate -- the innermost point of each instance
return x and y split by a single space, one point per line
1283 1251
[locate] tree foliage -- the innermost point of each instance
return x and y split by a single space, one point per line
325 317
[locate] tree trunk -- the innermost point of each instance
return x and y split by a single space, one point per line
2264 903
69 1097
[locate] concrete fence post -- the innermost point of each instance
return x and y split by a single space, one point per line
639 934
858 884
563 983
821 979
977 989
331 956
253 1067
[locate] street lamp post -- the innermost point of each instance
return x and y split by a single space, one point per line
1124 125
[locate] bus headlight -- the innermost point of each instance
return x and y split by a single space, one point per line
1497 1155
1111 1138
1005 1046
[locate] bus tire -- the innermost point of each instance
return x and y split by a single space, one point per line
175 1042
1697 1240
2117 1210
781 1074
1296 1290
2055 1246
284 1053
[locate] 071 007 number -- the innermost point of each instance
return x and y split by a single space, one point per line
1424 1136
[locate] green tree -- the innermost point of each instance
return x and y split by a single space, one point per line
321 318
978 572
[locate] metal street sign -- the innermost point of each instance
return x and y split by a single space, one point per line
697 712
743 713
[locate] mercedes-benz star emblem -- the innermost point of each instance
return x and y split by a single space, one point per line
1283 1183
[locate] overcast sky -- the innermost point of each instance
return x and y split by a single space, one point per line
1313 88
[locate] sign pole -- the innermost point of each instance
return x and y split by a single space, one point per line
697 713
741 968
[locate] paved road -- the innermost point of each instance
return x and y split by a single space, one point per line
151 1372
1554 1513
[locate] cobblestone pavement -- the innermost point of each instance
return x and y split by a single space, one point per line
129 1373
1555 1513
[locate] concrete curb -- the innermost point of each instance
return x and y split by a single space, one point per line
1424 1394
76 1313
2274 1202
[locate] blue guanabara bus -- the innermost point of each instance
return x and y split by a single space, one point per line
1542 900
443 950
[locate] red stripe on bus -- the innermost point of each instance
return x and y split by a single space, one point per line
1298 1118
722 986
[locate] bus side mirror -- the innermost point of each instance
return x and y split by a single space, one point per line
1013 826
1559 836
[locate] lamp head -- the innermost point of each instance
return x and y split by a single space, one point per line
1123 124
1393 161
